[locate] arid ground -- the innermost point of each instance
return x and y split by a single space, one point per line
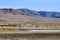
30 37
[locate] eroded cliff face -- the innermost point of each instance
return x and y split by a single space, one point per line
29 37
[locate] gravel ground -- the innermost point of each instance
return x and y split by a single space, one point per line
29 37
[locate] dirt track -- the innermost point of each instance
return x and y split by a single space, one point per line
29 37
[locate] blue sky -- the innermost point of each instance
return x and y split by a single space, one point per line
42 5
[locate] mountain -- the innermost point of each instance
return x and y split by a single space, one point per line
27 15
50 14
33 12
42 13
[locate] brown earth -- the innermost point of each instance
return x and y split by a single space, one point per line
30 37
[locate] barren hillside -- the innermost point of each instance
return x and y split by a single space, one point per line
18 15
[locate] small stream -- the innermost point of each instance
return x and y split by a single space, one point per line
41 31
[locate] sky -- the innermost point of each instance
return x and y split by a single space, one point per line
39 5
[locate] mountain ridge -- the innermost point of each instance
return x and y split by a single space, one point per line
24 15
43 13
